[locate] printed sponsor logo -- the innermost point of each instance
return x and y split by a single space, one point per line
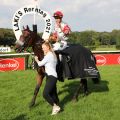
118 59
8 65
5 49
101 60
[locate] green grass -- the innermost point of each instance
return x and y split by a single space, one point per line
106 48
103 102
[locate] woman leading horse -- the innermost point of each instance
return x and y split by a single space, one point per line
82 63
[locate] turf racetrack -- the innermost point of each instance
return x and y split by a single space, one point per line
103 102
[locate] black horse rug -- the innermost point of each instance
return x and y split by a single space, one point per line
82 63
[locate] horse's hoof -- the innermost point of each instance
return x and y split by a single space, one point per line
32 103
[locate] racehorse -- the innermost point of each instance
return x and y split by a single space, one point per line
70 67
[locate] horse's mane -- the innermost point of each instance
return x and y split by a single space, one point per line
37 44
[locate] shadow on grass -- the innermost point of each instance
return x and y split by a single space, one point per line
101 87
71 88
20 117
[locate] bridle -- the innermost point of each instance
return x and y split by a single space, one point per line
25 45
27 40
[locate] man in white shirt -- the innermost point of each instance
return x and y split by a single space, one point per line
61 32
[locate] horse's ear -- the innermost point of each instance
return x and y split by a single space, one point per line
23 28
27 27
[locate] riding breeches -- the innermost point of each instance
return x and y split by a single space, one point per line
60 45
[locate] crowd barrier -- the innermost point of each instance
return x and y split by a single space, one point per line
19 61
107 57
12 62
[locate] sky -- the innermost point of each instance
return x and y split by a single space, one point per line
81 15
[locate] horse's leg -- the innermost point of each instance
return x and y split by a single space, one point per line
84 86
39 79
75 97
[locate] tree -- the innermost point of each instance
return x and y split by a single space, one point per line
7 37
105 38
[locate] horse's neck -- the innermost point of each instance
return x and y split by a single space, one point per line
37 47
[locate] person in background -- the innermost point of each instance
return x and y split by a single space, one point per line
50 89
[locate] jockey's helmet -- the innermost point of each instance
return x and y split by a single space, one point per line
58 14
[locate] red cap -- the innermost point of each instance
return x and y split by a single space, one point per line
58 14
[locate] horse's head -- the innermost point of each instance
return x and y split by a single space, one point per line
26 40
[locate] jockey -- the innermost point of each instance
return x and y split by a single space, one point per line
61 32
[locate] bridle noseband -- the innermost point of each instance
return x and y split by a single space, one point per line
25 43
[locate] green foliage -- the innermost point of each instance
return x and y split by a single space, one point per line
91 47
105 38
118 47
86 38
74 37
116 36
7 37
106 48
6 33
93 38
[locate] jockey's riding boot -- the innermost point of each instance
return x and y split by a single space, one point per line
32 103
68 61
60 72
85 87
59 69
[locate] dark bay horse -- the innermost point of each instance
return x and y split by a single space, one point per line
30 38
